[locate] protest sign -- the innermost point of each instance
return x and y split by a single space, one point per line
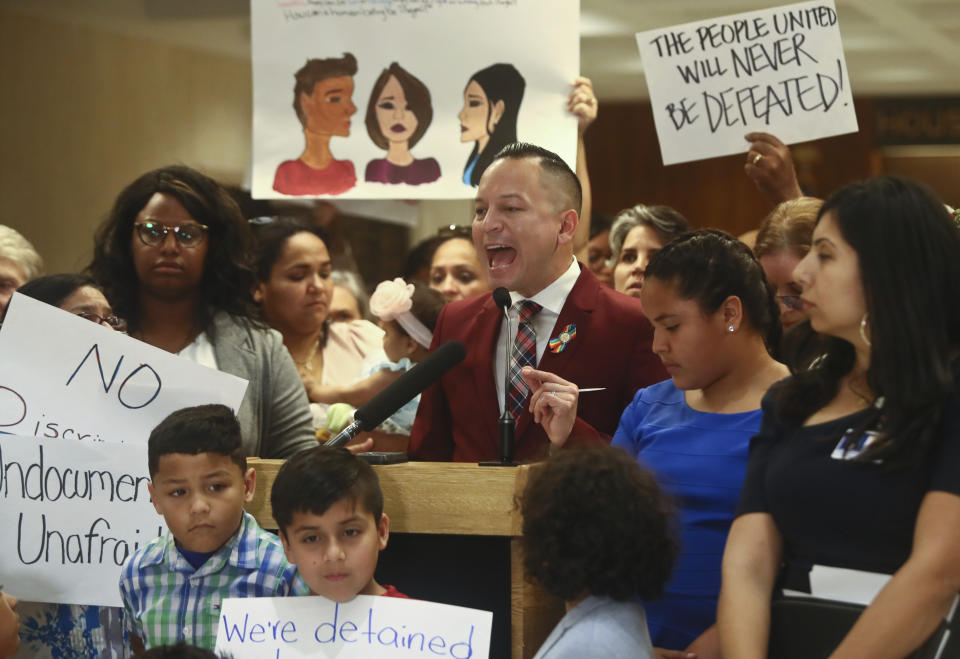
366 626
778 70
71 514
367 99
65 377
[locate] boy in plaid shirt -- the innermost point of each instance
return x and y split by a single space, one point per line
172 587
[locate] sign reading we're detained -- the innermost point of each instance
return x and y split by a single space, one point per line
779 70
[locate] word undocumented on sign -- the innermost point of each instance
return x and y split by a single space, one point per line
778 70
65 377
366 626
71 514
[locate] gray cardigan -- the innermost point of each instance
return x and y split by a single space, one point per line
275 415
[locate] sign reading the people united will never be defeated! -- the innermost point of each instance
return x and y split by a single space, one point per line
777 70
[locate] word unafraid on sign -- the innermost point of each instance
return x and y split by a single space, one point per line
778 70
71 514
368 627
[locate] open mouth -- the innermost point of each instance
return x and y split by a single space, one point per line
500 256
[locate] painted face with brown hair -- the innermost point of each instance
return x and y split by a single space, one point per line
329 108
397 122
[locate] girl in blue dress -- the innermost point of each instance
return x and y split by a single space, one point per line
715 319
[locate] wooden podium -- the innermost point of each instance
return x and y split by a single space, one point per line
460 499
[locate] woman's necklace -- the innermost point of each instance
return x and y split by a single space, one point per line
308 362
866 401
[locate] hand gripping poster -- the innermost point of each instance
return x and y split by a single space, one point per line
405 99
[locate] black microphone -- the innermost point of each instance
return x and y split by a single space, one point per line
502 297
507 423
372 413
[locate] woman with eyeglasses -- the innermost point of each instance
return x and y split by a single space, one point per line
455 269
782 241
174 258
856 462
77 293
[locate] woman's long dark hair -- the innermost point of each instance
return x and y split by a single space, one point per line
909 254
500 82
708 266
227 273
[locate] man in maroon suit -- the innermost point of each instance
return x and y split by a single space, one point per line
527 210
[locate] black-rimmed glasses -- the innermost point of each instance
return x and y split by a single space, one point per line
115 322
189 234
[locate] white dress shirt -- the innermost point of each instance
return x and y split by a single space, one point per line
552 298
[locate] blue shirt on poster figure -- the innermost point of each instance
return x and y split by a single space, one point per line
700 458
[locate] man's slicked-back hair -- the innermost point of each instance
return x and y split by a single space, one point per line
194 430
316 70
315 479
551 165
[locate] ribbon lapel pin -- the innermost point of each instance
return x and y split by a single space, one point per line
558 344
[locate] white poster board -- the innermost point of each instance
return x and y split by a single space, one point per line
365 627
441 43
71 514
781 71
66 377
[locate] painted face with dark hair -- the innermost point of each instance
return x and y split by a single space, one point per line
329 108
396 121
477 118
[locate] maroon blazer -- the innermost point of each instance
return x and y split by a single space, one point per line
457 416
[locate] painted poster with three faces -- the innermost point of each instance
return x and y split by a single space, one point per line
405 99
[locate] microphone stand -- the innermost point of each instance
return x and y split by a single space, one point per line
507 423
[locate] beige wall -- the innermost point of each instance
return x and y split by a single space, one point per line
83 112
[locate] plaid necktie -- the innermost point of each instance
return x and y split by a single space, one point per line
524 353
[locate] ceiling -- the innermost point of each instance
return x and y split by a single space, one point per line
893 47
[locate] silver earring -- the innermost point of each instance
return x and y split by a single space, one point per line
731 329
863 330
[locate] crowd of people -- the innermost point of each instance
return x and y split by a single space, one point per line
716 417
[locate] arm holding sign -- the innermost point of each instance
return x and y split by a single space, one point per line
583 104
770 167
